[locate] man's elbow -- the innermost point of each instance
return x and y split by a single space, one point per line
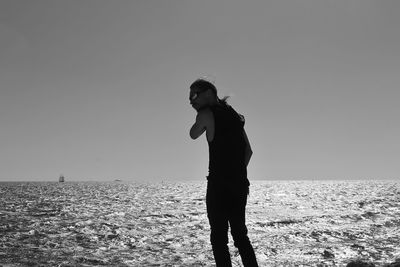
249 151
193 135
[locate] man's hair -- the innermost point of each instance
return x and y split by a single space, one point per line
204 85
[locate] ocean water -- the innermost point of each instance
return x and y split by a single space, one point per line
290 223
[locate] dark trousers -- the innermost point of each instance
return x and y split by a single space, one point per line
226 207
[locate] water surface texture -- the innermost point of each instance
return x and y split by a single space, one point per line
291 223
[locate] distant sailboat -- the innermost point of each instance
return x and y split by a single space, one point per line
61 179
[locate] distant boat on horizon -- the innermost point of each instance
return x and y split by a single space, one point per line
118 180
61 179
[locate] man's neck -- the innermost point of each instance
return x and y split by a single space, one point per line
215 102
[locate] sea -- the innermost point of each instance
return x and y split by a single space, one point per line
290 223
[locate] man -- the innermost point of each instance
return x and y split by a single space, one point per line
227 186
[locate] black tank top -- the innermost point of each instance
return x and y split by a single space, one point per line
227 149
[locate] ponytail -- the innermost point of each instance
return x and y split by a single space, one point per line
224 100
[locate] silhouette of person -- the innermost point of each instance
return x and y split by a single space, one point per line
227 183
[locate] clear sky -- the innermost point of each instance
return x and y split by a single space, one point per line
98 89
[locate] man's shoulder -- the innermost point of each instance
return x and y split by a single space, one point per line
236 114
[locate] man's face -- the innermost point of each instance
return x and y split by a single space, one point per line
198 98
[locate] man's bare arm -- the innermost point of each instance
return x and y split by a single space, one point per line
248 151
198 127
203 123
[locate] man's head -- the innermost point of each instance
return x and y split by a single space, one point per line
202 93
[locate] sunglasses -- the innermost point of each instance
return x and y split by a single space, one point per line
195 95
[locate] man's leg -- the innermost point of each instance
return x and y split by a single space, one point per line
218 220
237 222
